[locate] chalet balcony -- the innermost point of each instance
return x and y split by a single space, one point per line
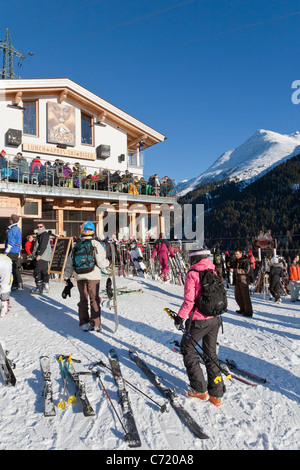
44 178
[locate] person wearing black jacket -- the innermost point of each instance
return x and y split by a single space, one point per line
241 271
42 255
276 273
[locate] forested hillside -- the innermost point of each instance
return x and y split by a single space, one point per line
235 212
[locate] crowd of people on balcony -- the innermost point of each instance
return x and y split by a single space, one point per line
60 173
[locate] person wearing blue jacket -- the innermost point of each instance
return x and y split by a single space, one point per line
13 246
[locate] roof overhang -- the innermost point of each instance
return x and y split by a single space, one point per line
66 89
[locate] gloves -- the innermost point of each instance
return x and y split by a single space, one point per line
67 290
109 270
178 321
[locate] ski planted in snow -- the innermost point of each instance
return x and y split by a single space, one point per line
49 408
171 395
132 436
113 299
80 390
6 368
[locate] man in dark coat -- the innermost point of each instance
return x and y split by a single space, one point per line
276 273
240 281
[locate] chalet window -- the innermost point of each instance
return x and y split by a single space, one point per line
30 118
86 129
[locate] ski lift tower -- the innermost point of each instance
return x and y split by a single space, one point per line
9 51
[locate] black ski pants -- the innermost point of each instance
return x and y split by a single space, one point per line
41 271
17 279
207 331
275 289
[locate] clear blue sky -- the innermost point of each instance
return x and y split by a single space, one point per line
205 73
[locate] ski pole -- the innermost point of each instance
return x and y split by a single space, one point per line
172 315
62 404
127 435
101 363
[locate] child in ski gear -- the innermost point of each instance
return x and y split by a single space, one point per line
42 256
241 269
276 273
29 245
200 327
5 284
295 279
88 283
162 247
13 246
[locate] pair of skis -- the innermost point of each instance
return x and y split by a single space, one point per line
80 391
108 293
170 395
129 426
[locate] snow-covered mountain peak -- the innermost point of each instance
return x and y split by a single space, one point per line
257 155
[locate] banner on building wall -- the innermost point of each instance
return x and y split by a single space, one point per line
60 124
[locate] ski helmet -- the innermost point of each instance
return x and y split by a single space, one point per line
87 228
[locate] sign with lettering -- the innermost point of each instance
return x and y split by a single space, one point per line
56 151
61 251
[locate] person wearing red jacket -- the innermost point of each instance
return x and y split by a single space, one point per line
295 279
29 245
200 327
162 248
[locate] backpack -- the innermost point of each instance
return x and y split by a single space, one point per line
217 260
212 300
83 257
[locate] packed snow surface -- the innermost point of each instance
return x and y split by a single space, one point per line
264 417
258 155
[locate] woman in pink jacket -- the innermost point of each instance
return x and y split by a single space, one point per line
163 248
200 327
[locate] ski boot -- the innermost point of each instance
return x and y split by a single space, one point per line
46 287
38 289
194 394
215 401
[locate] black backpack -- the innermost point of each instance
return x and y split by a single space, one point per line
83 257
212 300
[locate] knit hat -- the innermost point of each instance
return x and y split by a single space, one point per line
15 218
201 251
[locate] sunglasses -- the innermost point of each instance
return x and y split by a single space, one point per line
40 226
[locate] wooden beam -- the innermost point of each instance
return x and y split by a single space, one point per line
63 95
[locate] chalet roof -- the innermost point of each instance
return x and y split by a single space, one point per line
66 89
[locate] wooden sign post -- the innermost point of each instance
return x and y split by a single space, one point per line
61 250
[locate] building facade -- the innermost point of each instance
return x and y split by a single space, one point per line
77 146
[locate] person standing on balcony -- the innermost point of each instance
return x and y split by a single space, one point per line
13 246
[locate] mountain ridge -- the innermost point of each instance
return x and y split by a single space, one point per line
251 160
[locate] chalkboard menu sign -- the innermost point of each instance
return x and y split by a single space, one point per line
60 254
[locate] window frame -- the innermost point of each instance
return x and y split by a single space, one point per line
83 113
36 117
